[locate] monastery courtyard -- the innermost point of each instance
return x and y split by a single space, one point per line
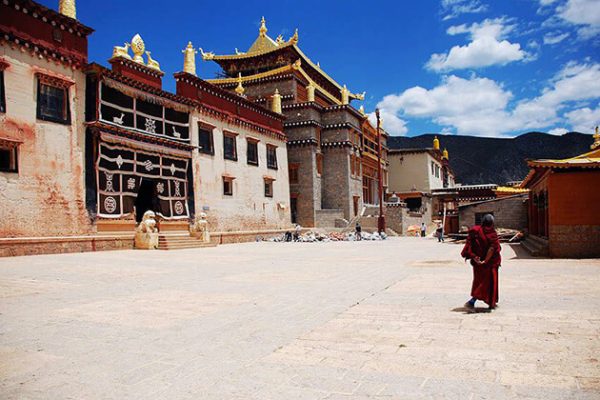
338 320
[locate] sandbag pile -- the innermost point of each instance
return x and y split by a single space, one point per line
311 237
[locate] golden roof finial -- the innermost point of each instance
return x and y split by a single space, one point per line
436 143
138 47
263 27
596 143
445 154
279 40
240 88
276 102
189 59
294 38
152 63
67 7
345 95
362 109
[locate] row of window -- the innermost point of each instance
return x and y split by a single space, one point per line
230 152
228 186
435 169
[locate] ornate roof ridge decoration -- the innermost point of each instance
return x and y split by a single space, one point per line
49 16
308 122
248 78
219 92
135 84
35 47
138 47
303 142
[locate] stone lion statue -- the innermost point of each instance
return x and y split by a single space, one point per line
148 224
200 228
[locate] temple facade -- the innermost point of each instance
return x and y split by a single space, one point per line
86 151
329 148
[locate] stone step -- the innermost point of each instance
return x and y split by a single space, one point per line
535 248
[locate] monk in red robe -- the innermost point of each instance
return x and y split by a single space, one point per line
483 249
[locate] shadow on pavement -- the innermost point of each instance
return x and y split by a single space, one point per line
475 310
520 252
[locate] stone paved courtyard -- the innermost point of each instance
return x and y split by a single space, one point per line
369 320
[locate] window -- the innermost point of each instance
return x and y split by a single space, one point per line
205 139
53 100
271 156
9 159
268 187
252 152
228 186
432 168
2 98
229 146
319 164
293 170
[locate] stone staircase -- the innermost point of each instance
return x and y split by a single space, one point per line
536 246
177 241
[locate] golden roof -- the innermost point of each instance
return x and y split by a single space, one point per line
264 45
586 160
510 189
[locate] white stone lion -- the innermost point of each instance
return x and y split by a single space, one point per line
148 224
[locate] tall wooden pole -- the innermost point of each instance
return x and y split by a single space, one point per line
381 219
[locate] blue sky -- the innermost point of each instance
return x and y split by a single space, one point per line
471 67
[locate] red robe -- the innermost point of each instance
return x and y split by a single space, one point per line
485 277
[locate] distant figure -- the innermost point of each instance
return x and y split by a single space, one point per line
288 236
358 230
297 231
423 229
483 249
440 233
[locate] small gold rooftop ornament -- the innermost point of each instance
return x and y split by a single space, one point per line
138 47
279 40
67 8
310 89
294 38
240 88
122 51
152 63
596 143
445 154
276 102
189 59
345 95
209 55
362 109
262 31
436 143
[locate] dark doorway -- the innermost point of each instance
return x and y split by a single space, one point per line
294 209
147 199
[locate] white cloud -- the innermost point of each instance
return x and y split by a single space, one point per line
454 8
558 131
544 3
584 119
487 47
555 37
390 122
583 14
481 106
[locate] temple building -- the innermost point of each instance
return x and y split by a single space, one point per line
328 148
424 180
563 205
86 150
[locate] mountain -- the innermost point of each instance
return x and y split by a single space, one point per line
478 160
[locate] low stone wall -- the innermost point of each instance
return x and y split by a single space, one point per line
574 241
399 218
68 244
509 212
326 218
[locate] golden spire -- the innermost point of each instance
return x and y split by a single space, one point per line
436 143
310 89
596 143
67 7
445 154
240 88
189 59
276 102
263 27
345 95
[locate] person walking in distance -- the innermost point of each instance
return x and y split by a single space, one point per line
423 229
440 232
483 250
358 230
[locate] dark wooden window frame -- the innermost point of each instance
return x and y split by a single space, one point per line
294 173
269 187
272 162
230 135
57 83
210 130
253 142
13 151
228 183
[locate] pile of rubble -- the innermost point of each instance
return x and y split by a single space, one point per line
311 237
